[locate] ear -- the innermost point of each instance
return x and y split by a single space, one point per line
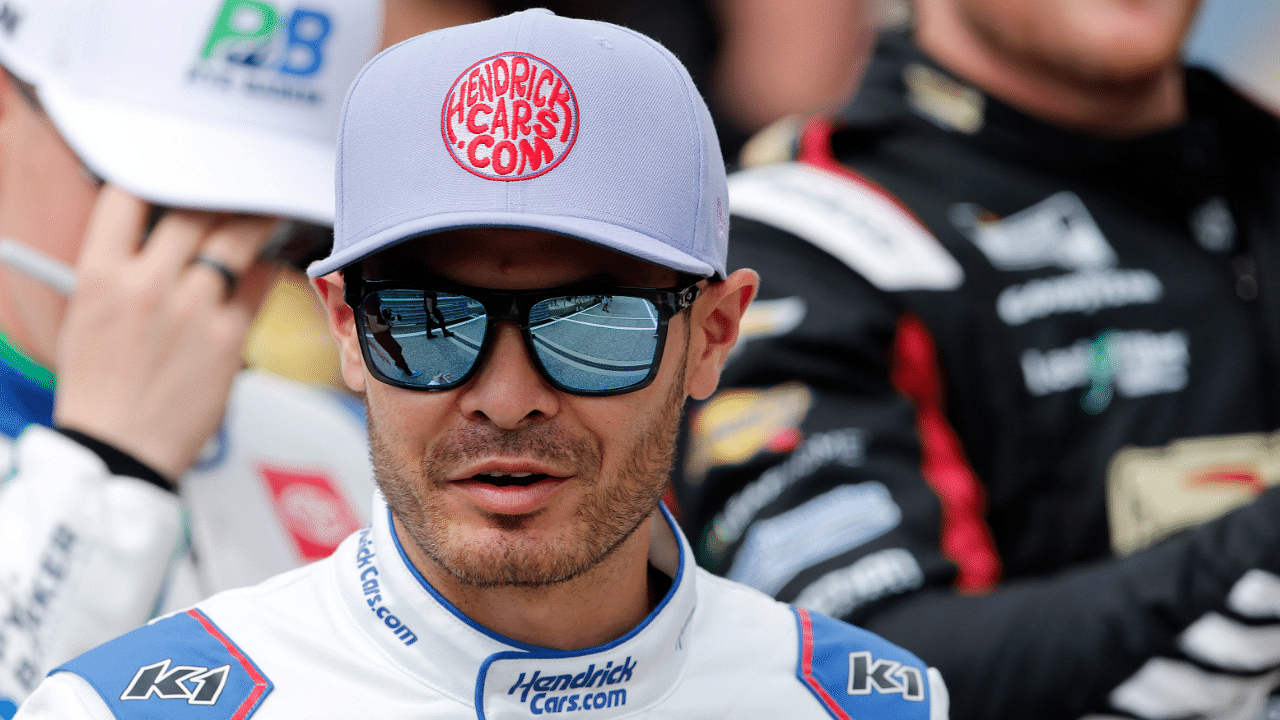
342 325
715 317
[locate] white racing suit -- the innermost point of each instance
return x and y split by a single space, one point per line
89 555
362 634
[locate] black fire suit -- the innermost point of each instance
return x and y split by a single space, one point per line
1008 397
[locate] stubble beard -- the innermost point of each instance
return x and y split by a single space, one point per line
607 514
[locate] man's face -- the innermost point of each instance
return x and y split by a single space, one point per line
1100 40
505 480
45 201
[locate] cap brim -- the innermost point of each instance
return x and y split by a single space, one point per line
181 162
613 237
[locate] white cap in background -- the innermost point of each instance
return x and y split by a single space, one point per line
211 104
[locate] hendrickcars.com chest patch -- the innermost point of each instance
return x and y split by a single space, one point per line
512 116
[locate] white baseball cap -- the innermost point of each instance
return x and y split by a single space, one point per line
210 104
536 121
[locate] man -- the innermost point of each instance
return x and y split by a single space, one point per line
1019 326
164 481
524 565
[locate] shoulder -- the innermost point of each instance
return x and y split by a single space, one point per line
850 218
212 661
848 671
63 696
180 666
1249 123
856 673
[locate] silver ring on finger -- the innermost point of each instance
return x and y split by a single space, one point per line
228 275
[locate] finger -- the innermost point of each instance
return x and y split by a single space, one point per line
229 251
174 241
255 285
238 240
115 228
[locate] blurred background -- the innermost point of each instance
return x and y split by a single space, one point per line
1238 39
756 61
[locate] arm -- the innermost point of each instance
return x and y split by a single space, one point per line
1186 627
152 336
65 697
86 555
146 356
848 521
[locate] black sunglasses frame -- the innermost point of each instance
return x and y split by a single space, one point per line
514 306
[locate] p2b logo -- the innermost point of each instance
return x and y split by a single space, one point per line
246 33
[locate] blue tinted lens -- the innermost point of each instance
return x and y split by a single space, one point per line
423 339
595 343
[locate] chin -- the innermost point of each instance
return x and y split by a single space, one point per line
515 556
1126 41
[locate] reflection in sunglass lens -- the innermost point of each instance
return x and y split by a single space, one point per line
595 343
424 339
584 343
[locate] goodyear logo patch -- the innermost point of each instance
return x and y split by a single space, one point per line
265 50
512 116
736 425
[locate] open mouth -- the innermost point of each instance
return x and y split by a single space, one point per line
523 479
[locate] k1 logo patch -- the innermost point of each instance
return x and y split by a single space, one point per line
197 685
512 116
868 673
181 666
856 674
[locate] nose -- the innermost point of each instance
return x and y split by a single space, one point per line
508 391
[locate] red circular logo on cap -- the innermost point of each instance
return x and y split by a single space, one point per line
512 116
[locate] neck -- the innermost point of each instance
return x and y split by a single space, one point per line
1122 105
20 302
592 609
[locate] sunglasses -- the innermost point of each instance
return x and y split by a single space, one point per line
585 339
